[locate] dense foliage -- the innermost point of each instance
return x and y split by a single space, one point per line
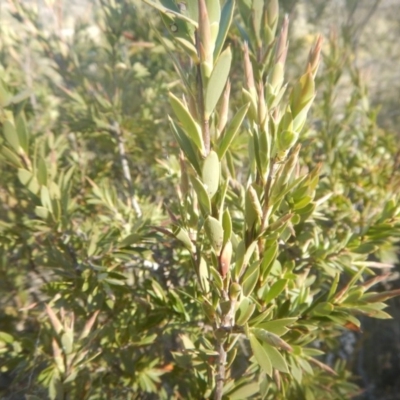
178 218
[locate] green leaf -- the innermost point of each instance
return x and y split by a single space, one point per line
45 198
257 17
11 135
260 355
167 11
214 15
27 179
217 278
193 10
186 146
222 191
42 212
215 233
115 282
182 235
244 391
268 258
243 261
21 96
250 279
202 195
302 203
158 290
227 225
276 290
6 337
276 358
224 25
295 370
11 156
251 212
217 81
245 311
271 338
204 275
67 341
129 240
261 317
41 171
190 126
5 96
277 326
189 48
177 304
323 309
20 125
210 173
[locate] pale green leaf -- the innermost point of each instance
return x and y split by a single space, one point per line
11 135
210 173
224 25
276 358
230 133
260 355
190 126
276 290
217 81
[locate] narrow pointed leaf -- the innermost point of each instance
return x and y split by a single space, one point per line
260 355
276 358
224 25
210 173
20 125
10 156
215 233
182 235
191 128
204 275
227 225
278 326
167 11
271 338
11 136
186 146
231 131
202 195
245 311
217 81
276 290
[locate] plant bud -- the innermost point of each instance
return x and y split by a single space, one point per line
225 258
272 14
234 291
271 338
314 57
282 45
248 70
224 108
302 93
205 45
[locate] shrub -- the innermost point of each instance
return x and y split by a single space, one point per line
224 263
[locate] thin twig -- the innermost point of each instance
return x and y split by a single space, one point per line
115 128
220 372
227 325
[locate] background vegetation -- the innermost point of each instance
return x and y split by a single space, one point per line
100 298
